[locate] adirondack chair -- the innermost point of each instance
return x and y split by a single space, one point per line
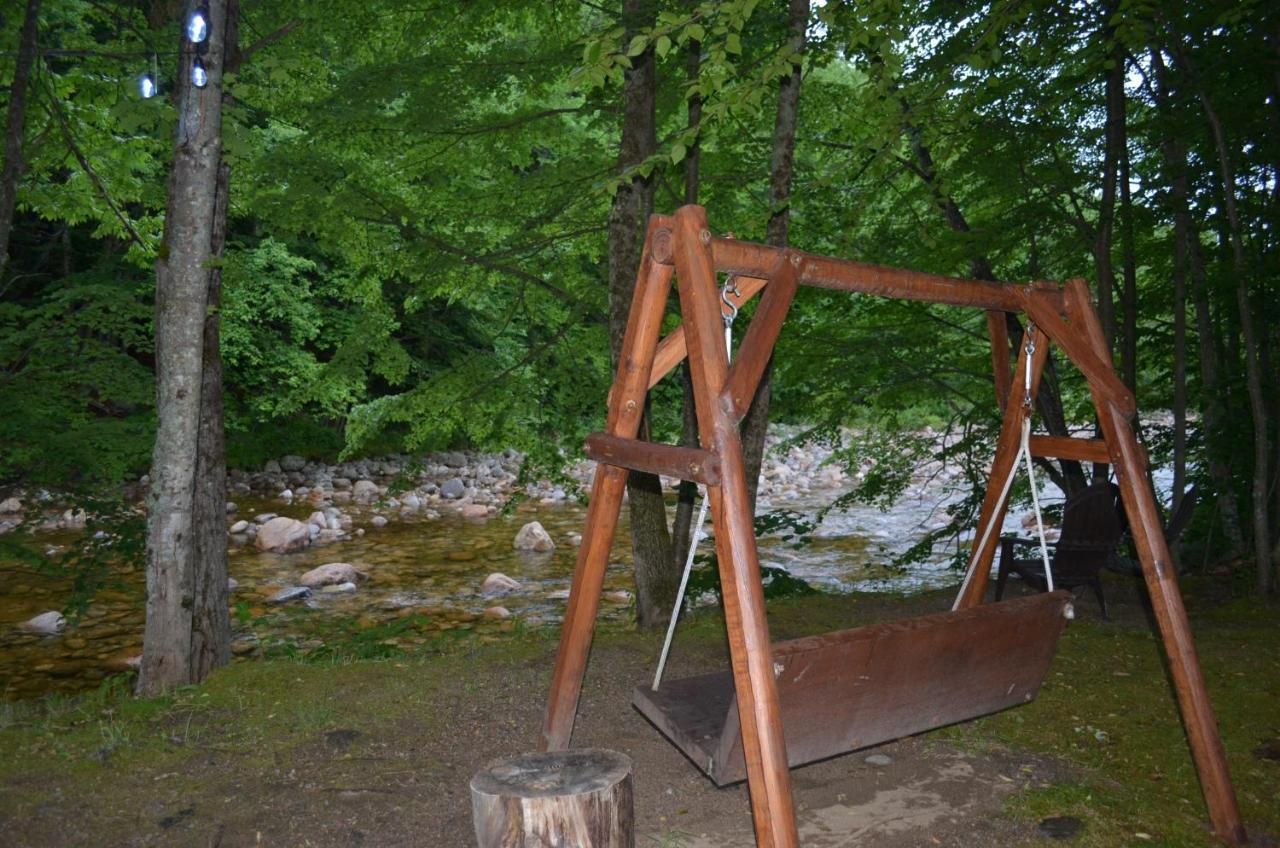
1093 523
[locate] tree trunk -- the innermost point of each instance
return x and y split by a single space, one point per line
781 168
1187 234
687 494
187 631
1113 142
656 576
1129 292
1252 345
15 127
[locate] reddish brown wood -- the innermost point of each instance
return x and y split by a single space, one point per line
756 260
1065 447
682 463
1162 585
653 285
1076 344
1006 455
757 345
672 349
748 630
856 688
998 332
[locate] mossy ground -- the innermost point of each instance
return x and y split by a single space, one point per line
342 750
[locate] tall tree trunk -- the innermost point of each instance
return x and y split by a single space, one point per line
14 129
1113 143
656 577
1129 292
187 631
1187 237
1252 344
781 168
687 494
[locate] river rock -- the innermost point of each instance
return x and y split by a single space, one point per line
453 488
499 613
293 593
8 506
240 526
365 491
74 519
283 535
475 511
332 573
286 495
410 501
231 507
338 589
319 519
453 459
264 517
341 484
532 537
498 583
46 623
232 584
271 467
292 463
378 521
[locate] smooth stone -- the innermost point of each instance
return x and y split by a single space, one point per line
232 584
283 535
365 491
286 495
231 507
293 593
264 517
378 521
46 623
338 589
271 467
532 537
453 459
292 463
878 760
319 519
621 596
332 573
410 501
239 527
74 519
498 583
475 511
499 613
8 506
453 488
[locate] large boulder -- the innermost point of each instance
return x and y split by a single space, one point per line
283 535
332 574
532 537
453 488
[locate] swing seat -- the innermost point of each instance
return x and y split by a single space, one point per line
856 688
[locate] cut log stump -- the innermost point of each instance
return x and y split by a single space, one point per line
559 799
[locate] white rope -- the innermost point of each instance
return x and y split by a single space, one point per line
702 510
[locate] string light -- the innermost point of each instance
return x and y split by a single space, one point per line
199 76
198 26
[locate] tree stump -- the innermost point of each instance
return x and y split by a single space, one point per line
562 799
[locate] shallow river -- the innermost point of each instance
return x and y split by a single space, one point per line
431 569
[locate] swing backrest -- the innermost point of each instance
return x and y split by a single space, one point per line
855 688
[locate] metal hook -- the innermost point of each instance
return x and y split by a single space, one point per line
729 311
1029 345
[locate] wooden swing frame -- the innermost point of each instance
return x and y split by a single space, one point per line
683 245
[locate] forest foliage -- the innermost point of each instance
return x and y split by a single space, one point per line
417 258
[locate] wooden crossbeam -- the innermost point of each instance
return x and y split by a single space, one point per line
693 464
1065 447
757 345
673 348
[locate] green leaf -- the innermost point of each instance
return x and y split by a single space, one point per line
733 43
678 152
637 45
663 46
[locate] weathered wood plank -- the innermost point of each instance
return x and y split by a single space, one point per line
1065 447
683 463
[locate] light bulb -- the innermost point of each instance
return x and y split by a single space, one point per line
199 76
147 87
198 27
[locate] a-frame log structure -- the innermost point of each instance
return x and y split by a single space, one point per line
682 244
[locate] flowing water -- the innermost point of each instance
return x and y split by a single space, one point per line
431 570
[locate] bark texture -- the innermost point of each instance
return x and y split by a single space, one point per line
656 574
187 631
755 425
15 127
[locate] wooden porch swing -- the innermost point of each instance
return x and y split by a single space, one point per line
795 702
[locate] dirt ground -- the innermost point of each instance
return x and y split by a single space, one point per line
380 754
